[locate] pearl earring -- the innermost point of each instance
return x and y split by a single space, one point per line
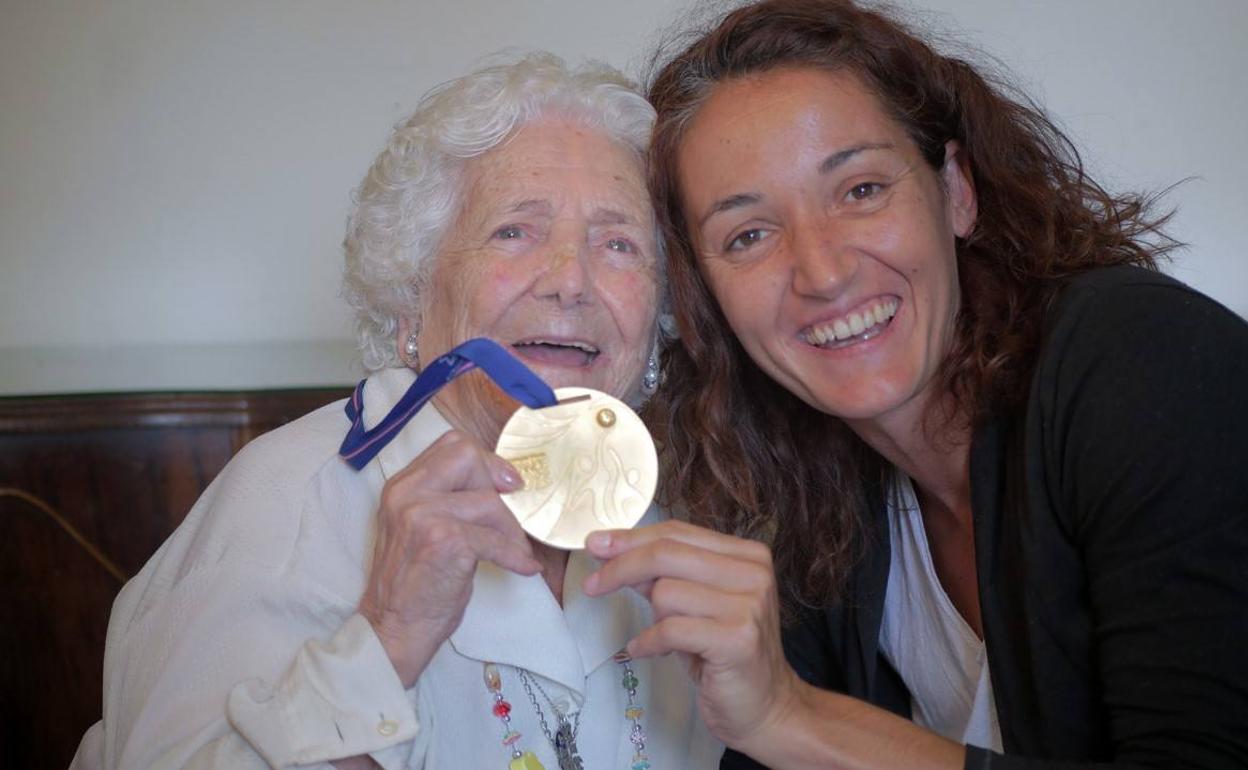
650 380
409 347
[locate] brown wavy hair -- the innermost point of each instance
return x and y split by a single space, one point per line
742 454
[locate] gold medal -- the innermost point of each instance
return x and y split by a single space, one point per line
588 463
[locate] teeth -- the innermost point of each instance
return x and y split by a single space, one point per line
582 346
851 325
855 324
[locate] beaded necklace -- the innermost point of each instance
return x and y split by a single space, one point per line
563 740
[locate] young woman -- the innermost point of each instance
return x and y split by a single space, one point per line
998 457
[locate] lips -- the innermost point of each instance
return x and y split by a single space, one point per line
859 325
557 352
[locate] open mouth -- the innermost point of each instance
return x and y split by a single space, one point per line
860 325
566 353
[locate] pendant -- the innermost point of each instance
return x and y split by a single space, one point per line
588 463
526 761
565 747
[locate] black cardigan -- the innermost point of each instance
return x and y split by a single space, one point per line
1111 540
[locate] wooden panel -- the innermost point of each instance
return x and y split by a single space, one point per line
122 471
53 618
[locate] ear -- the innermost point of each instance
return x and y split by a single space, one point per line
959 189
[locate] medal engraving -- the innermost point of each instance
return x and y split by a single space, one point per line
533 469
597 467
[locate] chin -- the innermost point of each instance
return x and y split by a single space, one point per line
878 410
562 377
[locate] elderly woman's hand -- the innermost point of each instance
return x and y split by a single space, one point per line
438 518
714 600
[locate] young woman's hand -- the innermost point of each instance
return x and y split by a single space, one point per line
715 602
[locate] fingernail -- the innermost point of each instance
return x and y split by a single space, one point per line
598 541
511 479
591 583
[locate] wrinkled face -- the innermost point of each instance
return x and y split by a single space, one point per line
552 255
827 239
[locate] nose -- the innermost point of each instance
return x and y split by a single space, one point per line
824 259
565 277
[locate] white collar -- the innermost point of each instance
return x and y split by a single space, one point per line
513 619
382 390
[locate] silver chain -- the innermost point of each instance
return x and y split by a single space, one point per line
541 716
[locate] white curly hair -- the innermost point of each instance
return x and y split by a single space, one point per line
411 194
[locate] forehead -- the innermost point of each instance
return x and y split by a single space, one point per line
557 161
789 116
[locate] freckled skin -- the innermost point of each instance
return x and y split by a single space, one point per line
554 239
562 256
809 241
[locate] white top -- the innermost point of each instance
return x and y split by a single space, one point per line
923 636
238 643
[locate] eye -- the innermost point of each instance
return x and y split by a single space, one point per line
865 190
509 233
622 245
746 239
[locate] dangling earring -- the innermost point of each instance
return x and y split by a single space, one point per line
650 380
409 347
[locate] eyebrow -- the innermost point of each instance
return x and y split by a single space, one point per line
531 206
599 217
829 164
837 159
729 203
611 217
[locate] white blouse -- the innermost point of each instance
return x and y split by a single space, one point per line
238 644
927 641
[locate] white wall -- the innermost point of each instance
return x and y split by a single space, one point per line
177 173
1153 93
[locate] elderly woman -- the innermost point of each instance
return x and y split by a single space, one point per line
307 613
1000 458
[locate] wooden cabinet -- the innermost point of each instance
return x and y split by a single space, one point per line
113 474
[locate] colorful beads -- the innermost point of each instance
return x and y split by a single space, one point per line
526 761
493 681
520 760
633 712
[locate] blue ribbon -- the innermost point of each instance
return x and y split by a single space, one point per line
517 380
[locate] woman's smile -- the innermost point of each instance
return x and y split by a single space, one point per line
827 238
557 352
553 255
866 322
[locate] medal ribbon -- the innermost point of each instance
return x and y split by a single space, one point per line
517 380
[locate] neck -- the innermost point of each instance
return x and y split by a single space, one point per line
554 565
474 405
936 458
